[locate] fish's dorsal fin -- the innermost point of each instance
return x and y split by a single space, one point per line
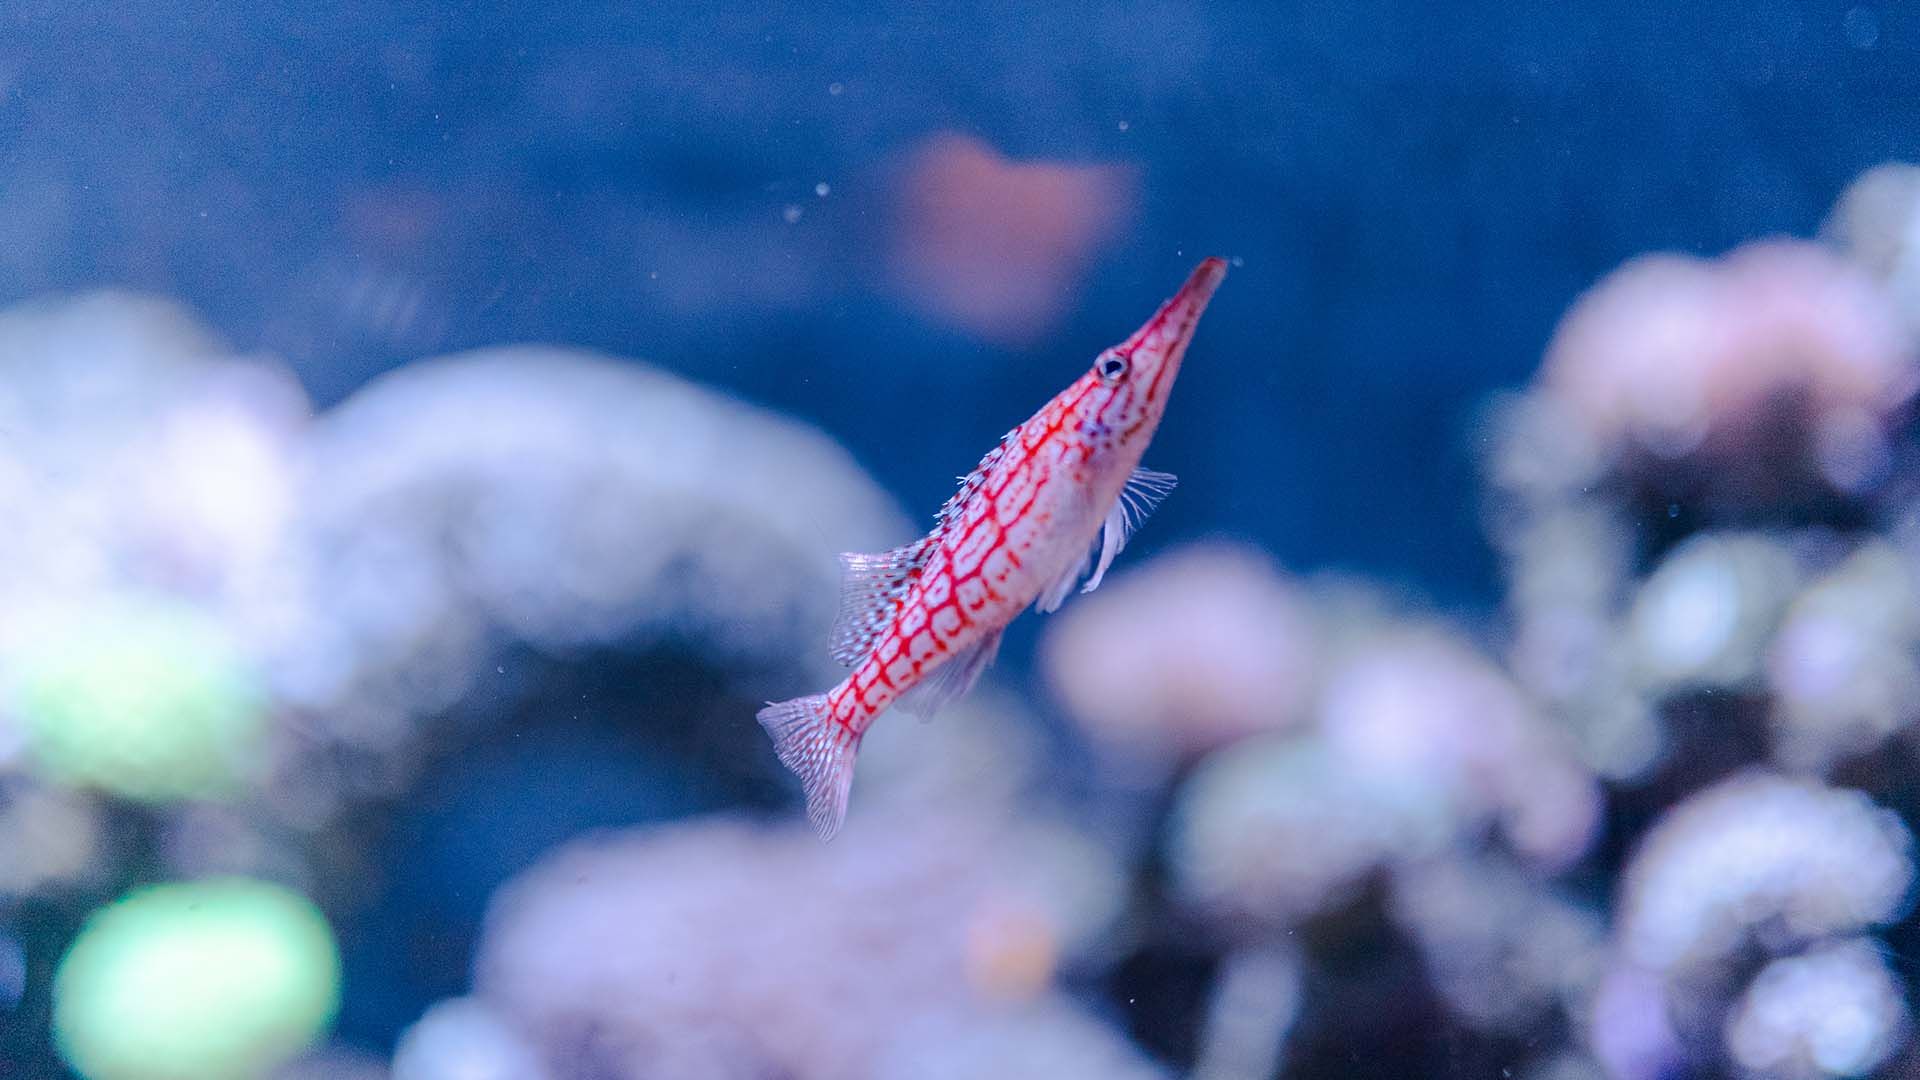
970 483
1143 492
870 589
952 679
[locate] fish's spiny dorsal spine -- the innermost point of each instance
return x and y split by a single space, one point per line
970 483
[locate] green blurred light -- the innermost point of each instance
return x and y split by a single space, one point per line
211 980
148 701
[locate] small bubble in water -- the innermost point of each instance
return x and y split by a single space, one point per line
1673 510
792 214
821 189
1236 261
501 669
835 89
1124 125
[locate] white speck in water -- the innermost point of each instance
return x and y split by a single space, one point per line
653 275
1125 124
500 670
1673 510
792 214
1236 261
835 89
821 189
1862 26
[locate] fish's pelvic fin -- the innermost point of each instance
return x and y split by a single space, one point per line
820 752
952 679
870 588
1143 492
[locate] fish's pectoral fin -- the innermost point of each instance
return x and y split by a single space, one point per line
870 588
1054 595
952 679
819 751
1143 492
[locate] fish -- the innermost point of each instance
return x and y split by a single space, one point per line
1046 509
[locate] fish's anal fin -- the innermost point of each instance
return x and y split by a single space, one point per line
870 588
952 679
819 751
1143 492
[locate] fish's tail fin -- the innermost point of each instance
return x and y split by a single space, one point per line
820 751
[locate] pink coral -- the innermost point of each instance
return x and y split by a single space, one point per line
1197 649
1669 351
722 949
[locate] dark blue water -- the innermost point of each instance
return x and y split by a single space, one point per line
1416 192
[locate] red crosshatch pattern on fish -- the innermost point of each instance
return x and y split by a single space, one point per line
1048 507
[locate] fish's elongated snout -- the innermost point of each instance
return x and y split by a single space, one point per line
1191 300
1200 284
1160 345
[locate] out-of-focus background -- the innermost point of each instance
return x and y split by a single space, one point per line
425 438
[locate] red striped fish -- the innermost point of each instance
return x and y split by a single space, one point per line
1050 506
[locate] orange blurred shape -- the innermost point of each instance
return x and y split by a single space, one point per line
1011 950
999 247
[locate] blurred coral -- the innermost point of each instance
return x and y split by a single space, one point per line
1256 1000
1785 860
213 980
1194 650
1833 1011
151 701
48 836
1671 351
334 1063
567 500
1419 744
135 450
573 498
1705 614
1269 832
228 621
1874 225
666 955
1504 951
1842 666
998 247
1417 710
463 1039
1049 1037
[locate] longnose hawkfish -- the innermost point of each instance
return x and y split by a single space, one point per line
1050 505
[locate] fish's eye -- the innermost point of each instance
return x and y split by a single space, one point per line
1112 366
